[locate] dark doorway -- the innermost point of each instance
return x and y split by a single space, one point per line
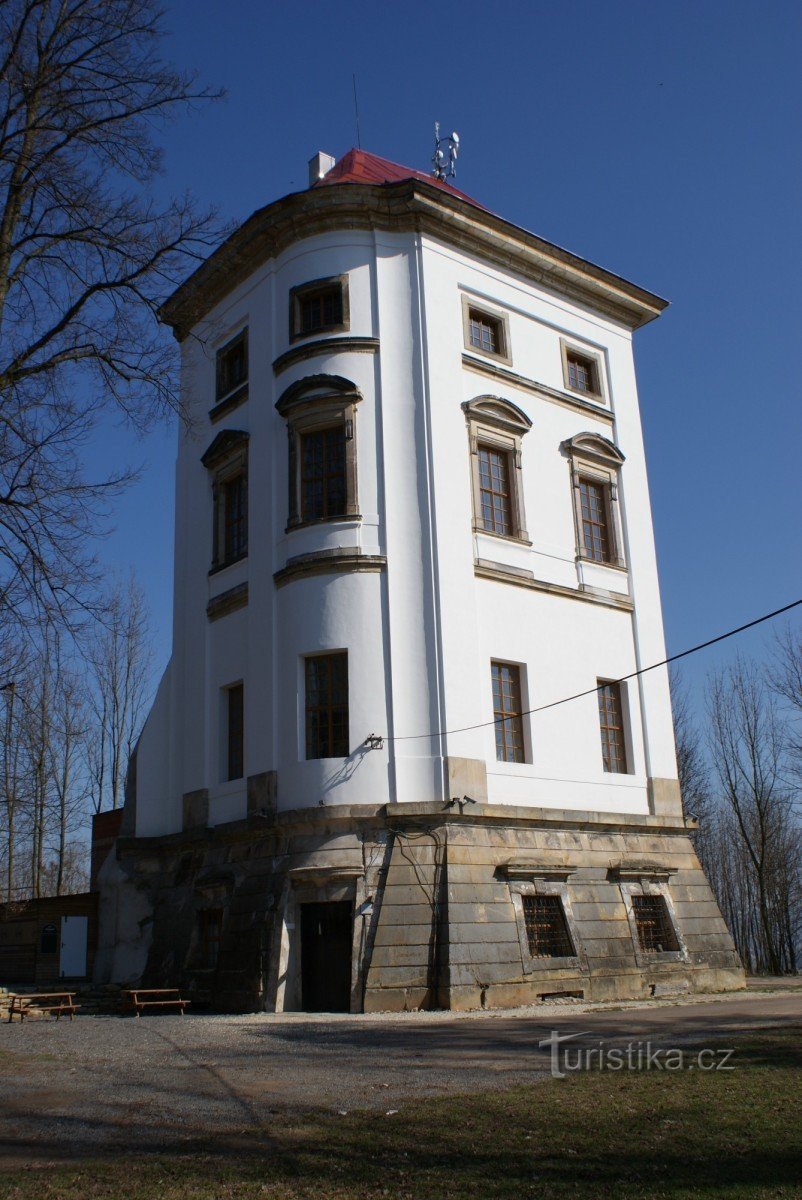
326 936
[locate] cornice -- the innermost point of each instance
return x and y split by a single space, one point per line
330 345
484 568
537 389
411 205
329 562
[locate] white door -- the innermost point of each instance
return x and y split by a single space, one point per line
72 962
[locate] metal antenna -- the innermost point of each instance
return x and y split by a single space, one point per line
443 170
356 114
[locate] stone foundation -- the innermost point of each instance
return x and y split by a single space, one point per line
438 901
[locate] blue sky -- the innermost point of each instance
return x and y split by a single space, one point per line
659 140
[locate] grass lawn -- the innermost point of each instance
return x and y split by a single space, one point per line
625 1135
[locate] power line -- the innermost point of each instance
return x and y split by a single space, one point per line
722 637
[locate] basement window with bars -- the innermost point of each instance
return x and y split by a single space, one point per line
656 932
546 927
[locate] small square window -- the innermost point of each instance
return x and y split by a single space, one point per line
232 366
546 927
326 678
611 722
507 715
485 332
319 307
581 372
656 933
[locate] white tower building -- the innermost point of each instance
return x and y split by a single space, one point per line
412 518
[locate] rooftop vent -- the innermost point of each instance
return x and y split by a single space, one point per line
319 165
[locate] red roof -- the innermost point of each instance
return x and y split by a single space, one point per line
358 166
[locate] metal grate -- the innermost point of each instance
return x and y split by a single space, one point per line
655 931
546 928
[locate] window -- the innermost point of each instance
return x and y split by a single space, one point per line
495 432
485 332
211 926
656 933
320 306
595 462
232 366
494 490
611 722
48 943
235 727
582 372
227 461
546 929
327 705
323 488
321 426
234 495
595 520
507 706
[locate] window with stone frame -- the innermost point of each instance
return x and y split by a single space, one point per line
485 331
612 728
507 712
321 426
656 933
546 927
322 472
326 705
320 306
582 371
227 463
232 367
495 432
595 463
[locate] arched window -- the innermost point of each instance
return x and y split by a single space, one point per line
320 411
227 461
496 428
595 464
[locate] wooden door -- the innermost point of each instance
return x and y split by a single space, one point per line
326 937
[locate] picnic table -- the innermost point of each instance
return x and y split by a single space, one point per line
52 1002
143 998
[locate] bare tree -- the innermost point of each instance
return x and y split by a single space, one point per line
698 799
120 665
748 743
785 674
86 256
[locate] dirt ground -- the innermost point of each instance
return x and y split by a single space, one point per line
100 1084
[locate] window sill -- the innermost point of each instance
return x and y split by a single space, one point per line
488 355
618 565
345 518
295 337
515 538
215 570
228 403
565 963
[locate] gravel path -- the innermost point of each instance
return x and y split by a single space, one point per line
107 1083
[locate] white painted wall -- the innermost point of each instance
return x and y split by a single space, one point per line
420 635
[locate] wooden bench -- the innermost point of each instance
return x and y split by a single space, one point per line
52 1002
143 998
